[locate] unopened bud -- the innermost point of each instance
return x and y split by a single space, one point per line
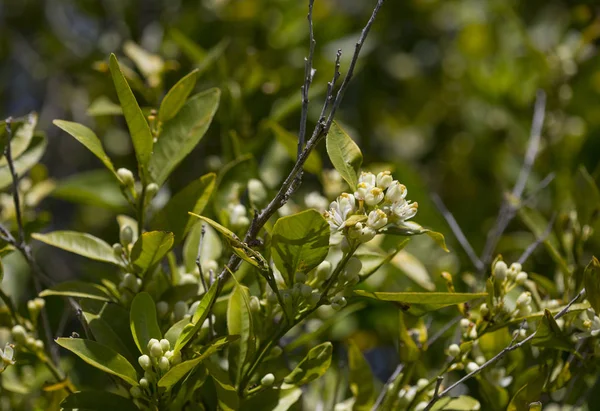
152 189
162 308
165 345
163 364
464 324
500 270
118 250
126 177
126 235
305 290
145 362
179 310
267 380
472 367
254 304
19 334
323 270
257 192
524 299
156 350
175 358
276 351
144 383
454 350
521 278
484 310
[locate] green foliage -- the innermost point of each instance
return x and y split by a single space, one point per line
344 154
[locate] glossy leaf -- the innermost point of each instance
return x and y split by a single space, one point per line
289 141
180 370
344 154
103 106
101 357
421 303
150 248
373 259
98 188
414 269
22 134
176 97
182 133
106 335
175 331
202 312
143 321
139 130
80 243
78 289
299 243
314 365
239 322
360 379
25 161
97 401
194 197
226 392
549 335
86 137
461 403
591 281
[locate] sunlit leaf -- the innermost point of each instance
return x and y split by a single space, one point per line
549 335
143 321
150 248
97 188
103 106
344 154
80 243
360 379
106 335
22 134
202 312
414 269
461 403
239 322
78 289
314 365
101 357
177 96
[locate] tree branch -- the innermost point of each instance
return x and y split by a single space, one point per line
308 77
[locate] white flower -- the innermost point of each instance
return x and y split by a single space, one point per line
361 191
368 178
237 215
404 210
589 322
340 209
361 233
524 299
377 219
374 196
316 201
395 192
6 356
384 179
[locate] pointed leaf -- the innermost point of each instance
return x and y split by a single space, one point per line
194 197
591 281
414 269
150 248
344 154
101 357
176 97
103 106
88 138
360 379
461 403
97 401
421 303
314 365
78 289
182 133
136 122
550 335
105 335
226 393
202 312
22 133
143 322
299 243
80 243
239 322
98 188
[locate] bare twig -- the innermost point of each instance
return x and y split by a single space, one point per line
511 347
443 330
308 77
527 253
507 209
458 233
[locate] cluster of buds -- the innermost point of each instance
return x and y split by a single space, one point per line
129 285
238 216
26 341
523 308
509 275
469 329
155 365
6 356
133 189
379 201
34 307
505 279
408 393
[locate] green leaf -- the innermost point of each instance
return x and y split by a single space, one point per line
174 332
136 122
313 366
101 357
408 350
78 289
80 243
344 154
226 392
143 322
194 197
410 228
239 322
421 303
289 141
529 392
22 133
180 370
103 106
150 248
373 259
299 243
28 159
591 281
182 133
150 65
212 246
461 403
97 188
414 269
86 137
105 335
97 401
176 97
549 335
586 196
202 312
360 379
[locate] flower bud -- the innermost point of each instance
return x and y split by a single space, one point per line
117 250
19 334
422 383
464 324
500 270
521 278
179 310
276 351
267 380
257 192
454 350
305 290
353 267
144 383
38 345
163 364
126 235
471 367
384 179
126 177
162 308
40 303
524 299
151 343
323 270
254 304
338 302
135 392
145 362
299 277
151 189
33 310
175 358
315 297
484 310
30 343
165 345
129 281
156 350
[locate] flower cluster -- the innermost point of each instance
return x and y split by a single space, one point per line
155 365
378 201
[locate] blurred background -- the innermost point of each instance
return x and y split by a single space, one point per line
443 96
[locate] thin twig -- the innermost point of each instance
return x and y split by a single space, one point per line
511 347
458 233
202 279
507 209
384 390
308 77
443 330
15 180
527 253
